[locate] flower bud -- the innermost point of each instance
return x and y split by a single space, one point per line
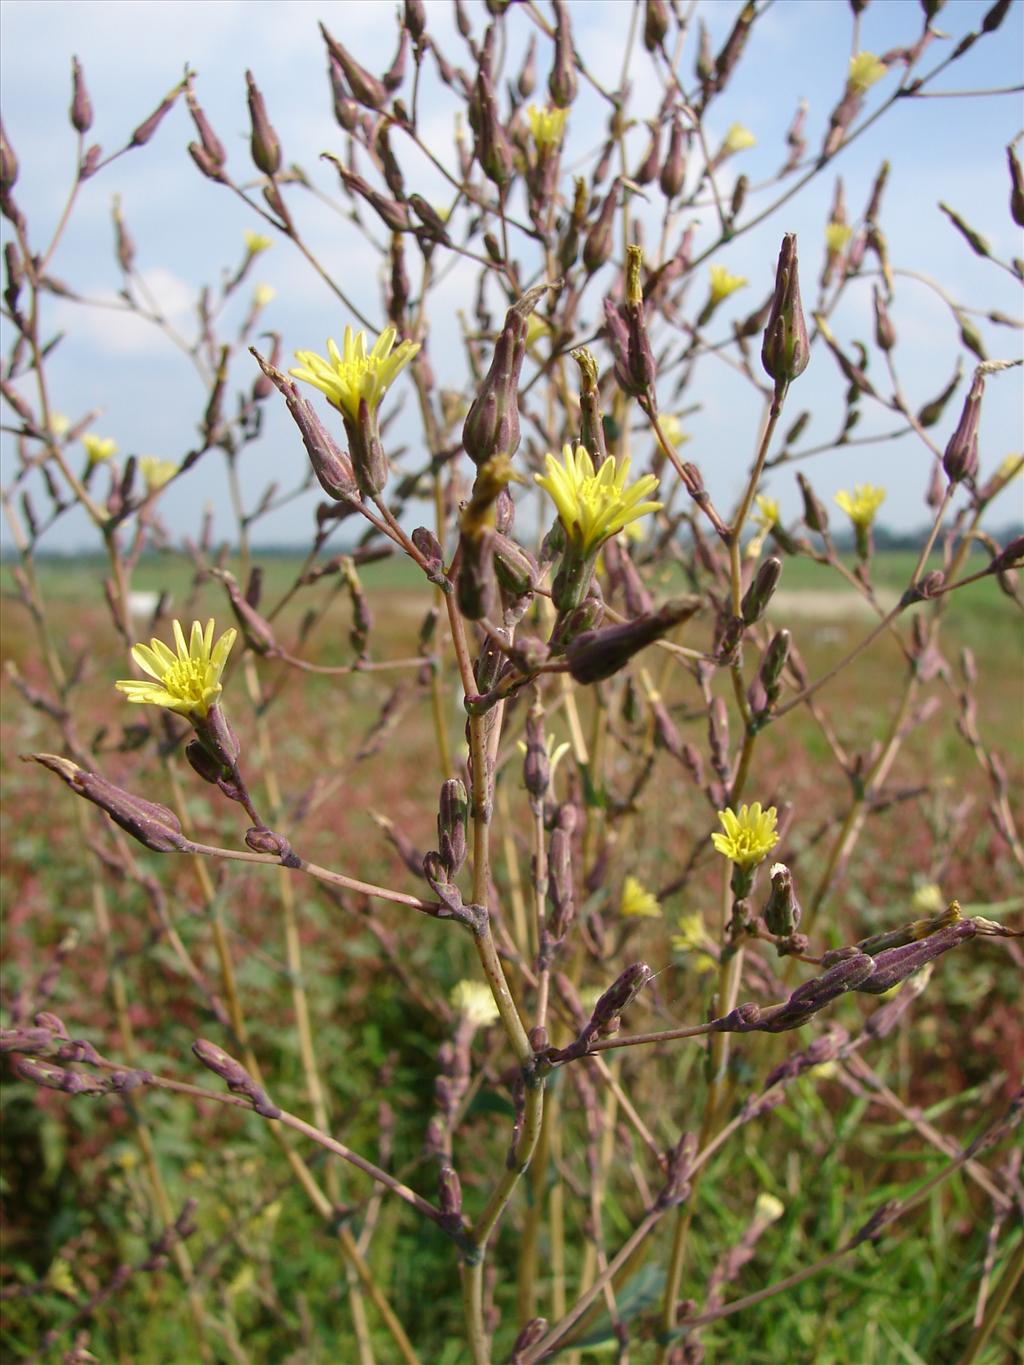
155 826
562 81
476 586
673 171
759 594
655 24
493 149
332 468
263 143
597 654
81 105
782 911
597 249
885 333
561 892
148 126
815 512
960 460
1016 186
235 1076
8 163
536 764
492 423
515 568
785 350
932 412
526 82
367 89
415 19
618 997
453 814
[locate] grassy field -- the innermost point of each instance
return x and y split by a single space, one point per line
77 1193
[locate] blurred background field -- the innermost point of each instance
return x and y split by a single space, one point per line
74 1193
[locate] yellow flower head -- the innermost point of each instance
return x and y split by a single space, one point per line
156 472
749 834
255 242
474 1000
836 236
768 1208
547 126
928 896
536 330
352 374
187 682
738 139
768 513
638 901
60 424
862 504
593 507
693 938
263 294
672 429
865 70
99 448
723 284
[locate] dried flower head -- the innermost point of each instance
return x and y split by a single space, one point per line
547 125
865 70
474 1000
637 901
749 834
594 506
156 472
255 242
98 448
862 505
353 374
187 682
723 284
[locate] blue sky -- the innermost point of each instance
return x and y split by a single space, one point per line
189 231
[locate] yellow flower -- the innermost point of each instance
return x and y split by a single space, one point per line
638 901
928 896
768 512
353 375
749 834
156 472
862 505
672 429
187 682
99 448
547 125
474 1000
768 1208
536 329
837 235
60 424
593 507
255 242
738 139
865 70
263 294
693 938
723 284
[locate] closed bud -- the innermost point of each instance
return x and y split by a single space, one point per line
785 350
366 451
235 1077
932 412
561 892
453 814
214 155
8 163
597 248
960 460
476 587
346 111
1010 557
492 423
673 171
155 826
526 82
655 24
619 996
1016 187
562 81
332 468
148 126
395 74
367 89
516 568
759 594
885 333
493 149
263 142
773 662
536 764
598 654
263 840
258 632
81 105
415 19
782 911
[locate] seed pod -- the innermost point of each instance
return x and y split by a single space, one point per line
1016 186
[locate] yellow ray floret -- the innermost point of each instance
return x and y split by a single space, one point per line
353 373
187 682
547 125
638 901
723 284
749 834
98 448
594 505
862 504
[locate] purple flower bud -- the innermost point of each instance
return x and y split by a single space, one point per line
415 19
536 765
597 249
1016 186
619 995
148 127
885 333
785 350
598 654
516 568
492 423
453 815
155 826
655 24
759 594
561 892
81 105
367 89
673 171
493 149
333 469
960 460
931 412
264 143
235 1077
562 81
8 163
